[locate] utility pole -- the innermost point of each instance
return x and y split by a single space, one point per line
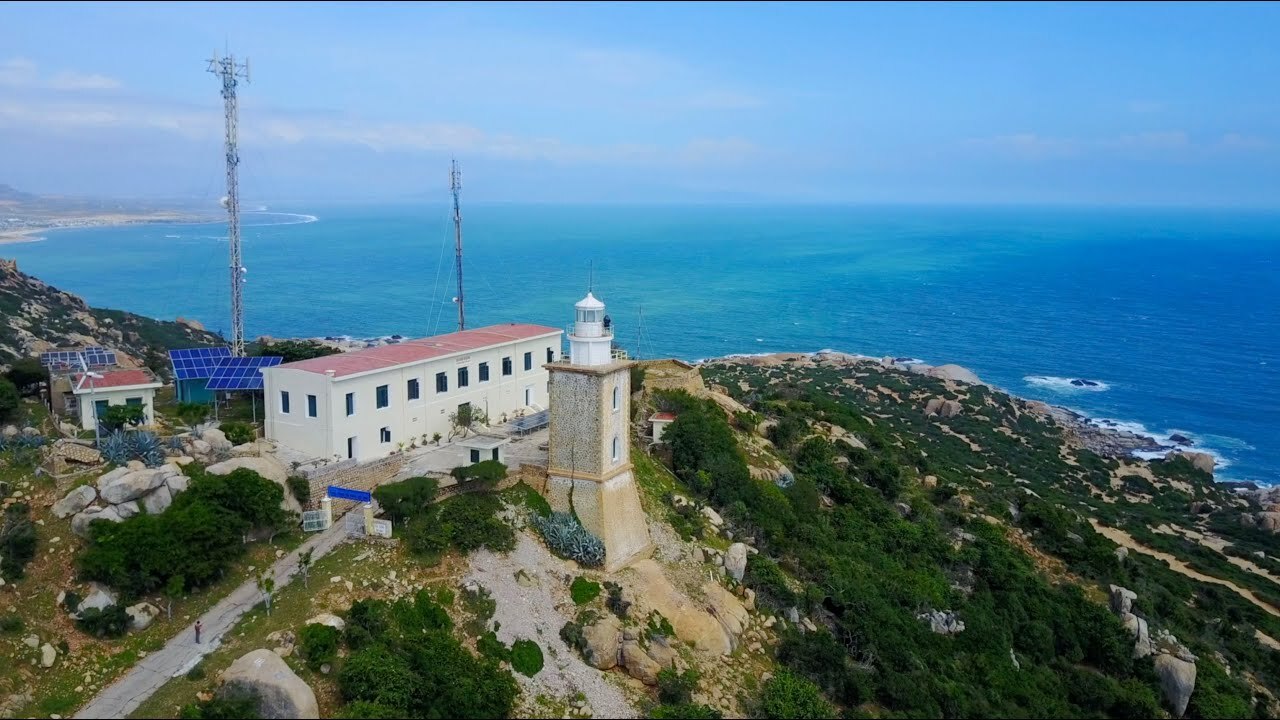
230 72
455 184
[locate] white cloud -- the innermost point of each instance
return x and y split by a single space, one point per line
1237 141
24 73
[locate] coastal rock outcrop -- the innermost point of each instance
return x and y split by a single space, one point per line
281 693
943 623
942 408
1202 461
1122 600
603 640
955 373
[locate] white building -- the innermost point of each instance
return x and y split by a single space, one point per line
365 404
103 388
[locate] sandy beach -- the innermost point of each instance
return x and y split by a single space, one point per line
34 232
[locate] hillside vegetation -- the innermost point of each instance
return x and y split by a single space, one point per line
35 316
954 561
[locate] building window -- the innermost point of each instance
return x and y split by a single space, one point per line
384 398
415 392
551 355
351 404
506 366
311 406
617 396
475 455
351 447
463 377
617 448
442 382
384 435
528 361
133 401
284 402
484 372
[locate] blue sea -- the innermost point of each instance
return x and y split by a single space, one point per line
1175 314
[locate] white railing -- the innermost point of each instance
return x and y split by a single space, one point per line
619 354
605 332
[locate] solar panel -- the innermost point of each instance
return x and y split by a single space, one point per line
60 358
197 363
235 373
63 359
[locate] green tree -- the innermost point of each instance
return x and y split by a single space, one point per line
304 565
267 586
26 375
319 644
9 399
407 498
174 589
118 416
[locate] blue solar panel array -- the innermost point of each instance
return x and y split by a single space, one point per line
93 357
197 363
238 373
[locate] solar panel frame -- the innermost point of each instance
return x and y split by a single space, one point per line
241 373
197 363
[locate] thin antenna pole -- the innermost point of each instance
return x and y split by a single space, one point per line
639 330
591 276
227 69
455 184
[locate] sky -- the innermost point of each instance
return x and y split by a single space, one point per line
1090 103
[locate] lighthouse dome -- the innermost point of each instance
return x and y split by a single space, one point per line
589 303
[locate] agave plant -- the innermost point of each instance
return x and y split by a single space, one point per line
122 446
566 537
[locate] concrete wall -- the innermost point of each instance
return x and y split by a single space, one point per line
326 434
116 396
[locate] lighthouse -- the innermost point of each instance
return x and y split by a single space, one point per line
589 451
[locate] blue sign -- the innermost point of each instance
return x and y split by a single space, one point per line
341 493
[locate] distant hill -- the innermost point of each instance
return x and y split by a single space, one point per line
36 317
9 193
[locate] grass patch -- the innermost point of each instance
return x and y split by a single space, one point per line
522 494
583 590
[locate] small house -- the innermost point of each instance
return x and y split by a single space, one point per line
92 394
660 421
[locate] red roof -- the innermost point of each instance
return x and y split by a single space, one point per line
663 416
411 351
114 379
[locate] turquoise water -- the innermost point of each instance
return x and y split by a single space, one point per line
1176 314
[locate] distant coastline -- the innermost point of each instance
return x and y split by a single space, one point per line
32 232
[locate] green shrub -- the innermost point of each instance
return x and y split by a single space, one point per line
615 602
192 413
488 472
234 703
238 433
26 374
71 600
118 416
490 646
403 500
109 622
9 400
17 541
676 688
526 657
427 538
520 493
300 487
473 523
583 590
295 350
688 711
197 672
11 623
786 695
319 644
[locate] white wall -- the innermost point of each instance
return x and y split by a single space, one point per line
326 434
116 396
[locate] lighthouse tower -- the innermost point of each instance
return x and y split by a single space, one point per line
589 453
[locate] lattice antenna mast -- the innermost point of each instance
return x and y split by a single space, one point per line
455 185
231 72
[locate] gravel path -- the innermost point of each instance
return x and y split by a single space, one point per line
537 612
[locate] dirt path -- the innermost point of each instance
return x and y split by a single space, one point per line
181 653
1121 537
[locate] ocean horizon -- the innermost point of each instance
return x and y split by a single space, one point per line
1171 315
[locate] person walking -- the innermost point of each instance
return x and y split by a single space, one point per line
197 632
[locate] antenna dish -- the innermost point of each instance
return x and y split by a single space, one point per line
224 201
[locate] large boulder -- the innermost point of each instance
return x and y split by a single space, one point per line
1177 682
100 597
712 516
80 523
132 485
75 501
942 408
1201 461
603 638
332 621
735 561
158 500
661 651
281 693
1141 634
127 510
112 476
216 438
695 623
955 373
727 609
1269 521
267 467
638 663
943 623
1122 600
141 615
176 483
